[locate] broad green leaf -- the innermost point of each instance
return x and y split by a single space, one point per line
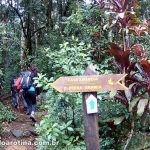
70 129
69 123
1 73
112 93
133 103
57 130
54 125
42 122
118 120
141 106
39 85
49 137
76 139
56 134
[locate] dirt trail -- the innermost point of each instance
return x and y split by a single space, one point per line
20 134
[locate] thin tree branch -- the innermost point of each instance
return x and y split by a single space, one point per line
129 139
37 30
19 15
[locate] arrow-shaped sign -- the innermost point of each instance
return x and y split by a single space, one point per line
89 83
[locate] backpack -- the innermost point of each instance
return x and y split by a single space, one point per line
17 83
26 80
31 89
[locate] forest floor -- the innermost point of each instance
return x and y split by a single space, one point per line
20 133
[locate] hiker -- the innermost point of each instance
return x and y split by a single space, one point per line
31 101
33 69
29 93
14 92
20 92
34 73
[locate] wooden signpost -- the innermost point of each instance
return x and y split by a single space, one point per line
89 84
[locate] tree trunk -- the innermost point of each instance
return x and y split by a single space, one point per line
29 28
49 15
36 35
22 48
60 8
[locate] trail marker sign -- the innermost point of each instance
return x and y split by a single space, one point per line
89 84
91 104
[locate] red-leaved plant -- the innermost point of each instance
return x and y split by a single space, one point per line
137 68
130 58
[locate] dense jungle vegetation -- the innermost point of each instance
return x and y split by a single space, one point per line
62 37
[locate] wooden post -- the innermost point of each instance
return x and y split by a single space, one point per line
90 120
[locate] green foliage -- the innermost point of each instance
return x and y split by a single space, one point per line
87 24
84 22
106 142
6 114
62 134
65 50
42 81
110 110
113 124
65 127
72 59
9 54
140 140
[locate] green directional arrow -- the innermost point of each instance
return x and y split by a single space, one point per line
92 104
